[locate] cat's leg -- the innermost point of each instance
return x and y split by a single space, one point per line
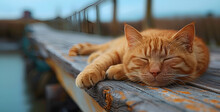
116 72
87 48
95 71
94 56
83 49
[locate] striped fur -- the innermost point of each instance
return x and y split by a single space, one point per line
168 53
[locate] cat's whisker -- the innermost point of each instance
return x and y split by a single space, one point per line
181 81
172 83
175 83
126 80
181 75
132 80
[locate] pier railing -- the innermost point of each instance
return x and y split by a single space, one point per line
207 27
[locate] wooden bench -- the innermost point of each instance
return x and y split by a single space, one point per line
110 95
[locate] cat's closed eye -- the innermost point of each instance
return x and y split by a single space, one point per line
171 58
144 59
172 61
140 61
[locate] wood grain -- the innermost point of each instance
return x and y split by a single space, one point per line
79 95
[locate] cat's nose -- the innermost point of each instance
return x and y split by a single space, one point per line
155 68
155 71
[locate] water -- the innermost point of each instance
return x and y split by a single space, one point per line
13 90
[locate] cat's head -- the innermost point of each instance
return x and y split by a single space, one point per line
159 57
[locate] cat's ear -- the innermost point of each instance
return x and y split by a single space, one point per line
132 35
185 36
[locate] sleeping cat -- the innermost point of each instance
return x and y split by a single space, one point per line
154 57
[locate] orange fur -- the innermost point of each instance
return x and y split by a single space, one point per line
155 57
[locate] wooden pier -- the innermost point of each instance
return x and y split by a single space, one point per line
123 96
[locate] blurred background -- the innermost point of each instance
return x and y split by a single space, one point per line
29 85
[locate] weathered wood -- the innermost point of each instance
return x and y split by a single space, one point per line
79 95
210 80
125 95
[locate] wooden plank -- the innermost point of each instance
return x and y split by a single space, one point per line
139 97
127 96
210 80
84 101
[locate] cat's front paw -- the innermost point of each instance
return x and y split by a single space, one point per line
89 78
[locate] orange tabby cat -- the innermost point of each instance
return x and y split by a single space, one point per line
154 57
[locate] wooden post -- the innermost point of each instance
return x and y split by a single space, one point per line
79 21
74 22
84 21
98 26
148 20
114 22
87 21
69 23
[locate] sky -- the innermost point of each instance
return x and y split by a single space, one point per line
128 10
41 9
